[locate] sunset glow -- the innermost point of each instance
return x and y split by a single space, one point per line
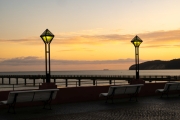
89 34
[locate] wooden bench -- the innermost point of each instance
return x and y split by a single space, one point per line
131 90
173 86
45 95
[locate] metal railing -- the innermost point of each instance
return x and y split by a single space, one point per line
75 83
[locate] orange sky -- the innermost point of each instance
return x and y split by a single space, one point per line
92 35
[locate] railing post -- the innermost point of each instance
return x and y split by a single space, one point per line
110 82
2 80
94 81
25 81
54 80
9 80
79 82
66 82
34 82
16 81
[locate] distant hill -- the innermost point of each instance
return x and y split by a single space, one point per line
158 65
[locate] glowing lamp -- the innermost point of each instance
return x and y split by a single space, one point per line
47 36
136 41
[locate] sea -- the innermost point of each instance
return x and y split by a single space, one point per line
73 82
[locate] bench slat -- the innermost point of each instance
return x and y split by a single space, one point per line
173 86
31 95
24 97
132 90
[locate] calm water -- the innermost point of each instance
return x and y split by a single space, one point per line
98 72
74 82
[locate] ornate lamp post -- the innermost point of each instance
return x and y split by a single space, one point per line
136 41
47 37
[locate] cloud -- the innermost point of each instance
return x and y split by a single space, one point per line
77 49
112 37
150 39
30 60
165 39
162 35
158 46
33 63
26 41
33 60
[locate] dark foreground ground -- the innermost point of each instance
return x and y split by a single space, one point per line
147 108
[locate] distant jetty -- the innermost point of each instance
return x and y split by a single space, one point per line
158 65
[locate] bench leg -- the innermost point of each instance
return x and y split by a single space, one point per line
135 96
166 94
108 98
11 106
48 102
131 98
162 95
112 100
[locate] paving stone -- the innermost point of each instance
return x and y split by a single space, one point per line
148 108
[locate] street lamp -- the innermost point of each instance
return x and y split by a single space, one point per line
47 37
136 41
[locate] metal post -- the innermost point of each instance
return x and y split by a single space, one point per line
79 82
137 61
47 58
49 63
16 81
25 81
33 82
2 81
9 80
94 81
110 82
66 82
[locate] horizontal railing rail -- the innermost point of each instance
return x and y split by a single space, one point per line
79 80
90 76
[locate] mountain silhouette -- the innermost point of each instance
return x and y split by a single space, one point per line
158 65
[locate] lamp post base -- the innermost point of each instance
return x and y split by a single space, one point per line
137 81
48 86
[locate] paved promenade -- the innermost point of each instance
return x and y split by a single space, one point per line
148 108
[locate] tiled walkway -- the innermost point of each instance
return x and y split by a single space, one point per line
148 108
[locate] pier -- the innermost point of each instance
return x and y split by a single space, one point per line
110 79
